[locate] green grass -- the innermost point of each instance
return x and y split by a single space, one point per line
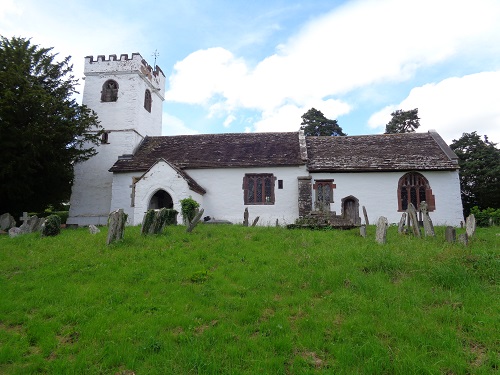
236 300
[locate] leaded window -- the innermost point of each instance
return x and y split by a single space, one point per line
147 100
258 188
413 187
324 194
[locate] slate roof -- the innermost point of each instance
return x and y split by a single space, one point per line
382 152
215 151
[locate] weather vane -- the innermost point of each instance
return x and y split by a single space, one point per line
155 54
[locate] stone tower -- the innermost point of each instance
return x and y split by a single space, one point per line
127 94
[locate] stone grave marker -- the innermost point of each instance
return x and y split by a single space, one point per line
366 216
362 231
245 217
412 219
401 225
428 227
7 221
470 225
14 232
381 234
93 229
195 221
116 225
463 238
450 234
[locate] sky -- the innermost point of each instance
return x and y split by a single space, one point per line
257 66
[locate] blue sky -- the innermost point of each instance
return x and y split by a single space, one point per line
245 66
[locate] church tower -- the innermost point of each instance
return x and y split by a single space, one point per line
127 94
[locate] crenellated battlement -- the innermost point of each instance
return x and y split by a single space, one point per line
125 57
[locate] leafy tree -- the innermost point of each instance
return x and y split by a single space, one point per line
314 122
479 163
43 131
403 122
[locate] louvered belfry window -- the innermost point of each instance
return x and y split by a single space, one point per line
258 188
414 187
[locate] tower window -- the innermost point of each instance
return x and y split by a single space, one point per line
109 91
147 100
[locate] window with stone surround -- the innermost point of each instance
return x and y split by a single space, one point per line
324 194
147 100
414 187
258 188
109 91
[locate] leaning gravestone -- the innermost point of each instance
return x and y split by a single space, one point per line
381 234
7 221
14 232
33 224
428 227
470 225
401 225
450 234
412 218
116 225
155 221
366 216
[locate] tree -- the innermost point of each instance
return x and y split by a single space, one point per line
314 122
479 163
403 122
43 131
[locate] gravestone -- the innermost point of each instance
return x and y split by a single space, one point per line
14 232
245 217
155 221
7 221
195 221
32 224
450 234
401 225
255 221
470 225
362 231
93 229
428 227
116 225
412 219
381 234
463 238
366 216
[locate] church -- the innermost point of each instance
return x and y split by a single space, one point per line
279 177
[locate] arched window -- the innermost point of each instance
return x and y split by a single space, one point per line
147 100
414 188
109 91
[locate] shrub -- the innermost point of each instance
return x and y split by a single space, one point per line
483 216
189 207
52 226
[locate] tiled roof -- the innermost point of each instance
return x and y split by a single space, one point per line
383 152
216 151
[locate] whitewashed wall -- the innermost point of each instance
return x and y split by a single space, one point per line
224 197
377 191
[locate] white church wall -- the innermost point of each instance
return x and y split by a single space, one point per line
377 191
224 199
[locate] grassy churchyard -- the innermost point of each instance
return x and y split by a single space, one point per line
242 300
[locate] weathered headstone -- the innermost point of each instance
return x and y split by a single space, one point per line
362 230
195 221
463 238
381 234
366 216
116 225
428 227
277 223
470 225
255 221
7 221
93 229
24 218
32 224
245 217
412 218
155 221
401 225
14 232
450 234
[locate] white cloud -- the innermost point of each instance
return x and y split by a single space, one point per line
361 43
453 106
229 119
172 125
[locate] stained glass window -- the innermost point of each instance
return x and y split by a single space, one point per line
259 188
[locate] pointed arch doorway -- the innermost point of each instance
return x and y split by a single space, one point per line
160 199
